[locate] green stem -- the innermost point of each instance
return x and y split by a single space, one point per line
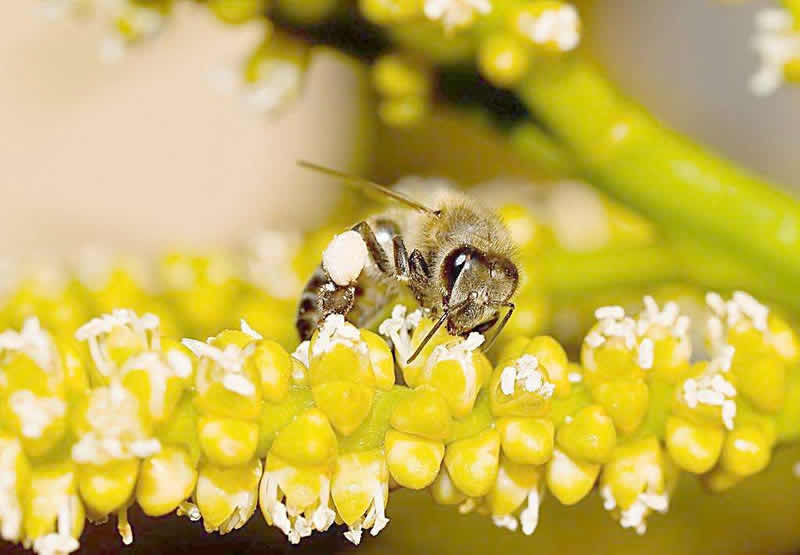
566 274
542 150
678 184
569 274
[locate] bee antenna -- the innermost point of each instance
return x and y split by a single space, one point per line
428 337
511 306
447 311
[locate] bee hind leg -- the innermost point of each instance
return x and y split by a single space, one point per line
336 299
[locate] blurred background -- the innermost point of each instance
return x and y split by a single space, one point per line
132 153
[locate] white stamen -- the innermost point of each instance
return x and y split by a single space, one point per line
302 353
506 521
250 331
507 380
560 26
610 312
353 534
35 413
238 383
575 377
777 43
646 353
594 339
336 331
454 14
529 517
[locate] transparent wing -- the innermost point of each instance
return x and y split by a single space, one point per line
368 186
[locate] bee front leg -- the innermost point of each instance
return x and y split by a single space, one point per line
375 250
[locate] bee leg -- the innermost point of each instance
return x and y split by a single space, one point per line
420 272
336 299
400 259
375 250
419 275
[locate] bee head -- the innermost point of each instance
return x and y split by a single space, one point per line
477 285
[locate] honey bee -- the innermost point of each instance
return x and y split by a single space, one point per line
455 256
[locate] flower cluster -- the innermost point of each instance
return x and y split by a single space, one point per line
212 429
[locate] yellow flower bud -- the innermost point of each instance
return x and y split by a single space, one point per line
720 479
693 447
414 462
526 440
307 440
165 480
570 480
106 488
444 491
590 435
514 483
380 358
181 429
39 421
357 480
762 379
472 463
52 505
347 404
521 387
451 365
783 339
613 359
227 441
340 363
688 405
503 59
227 497
746 451
424 413
274 417
155 383
635 468
74 366
237 338
625 401
296 498
274 366
553 359
227 393
671 354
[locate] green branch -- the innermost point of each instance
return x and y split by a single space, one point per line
678 184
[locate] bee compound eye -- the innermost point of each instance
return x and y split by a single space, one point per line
455 262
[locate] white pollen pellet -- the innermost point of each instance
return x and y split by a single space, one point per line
345 257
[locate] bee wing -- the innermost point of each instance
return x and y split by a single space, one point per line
368 186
